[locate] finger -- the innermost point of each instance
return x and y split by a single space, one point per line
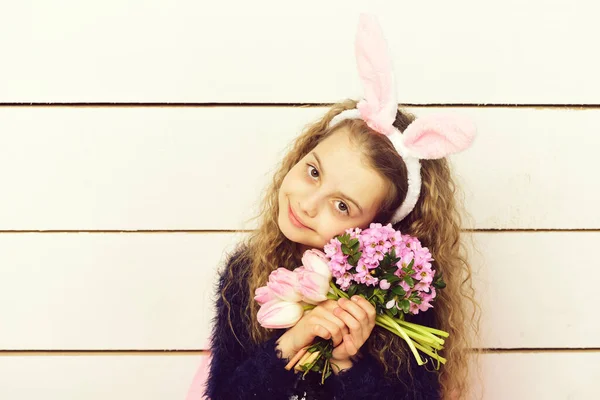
352 323
328 330
331 317
328 305
351 347
357 313
354 309
326 311
368 308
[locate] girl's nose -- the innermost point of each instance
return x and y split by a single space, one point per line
310 206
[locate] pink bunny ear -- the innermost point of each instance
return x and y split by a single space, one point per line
436 136
379 106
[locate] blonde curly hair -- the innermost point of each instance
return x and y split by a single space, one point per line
435 220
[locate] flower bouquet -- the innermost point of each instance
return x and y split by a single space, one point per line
391 270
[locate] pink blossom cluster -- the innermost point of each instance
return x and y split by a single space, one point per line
374 243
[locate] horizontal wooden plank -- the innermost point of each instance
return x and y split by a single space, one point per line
155 291
108 291
548 376
260 52
115 377
186 169
526 283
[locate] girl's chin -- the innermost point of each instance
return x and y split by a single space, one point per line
296 237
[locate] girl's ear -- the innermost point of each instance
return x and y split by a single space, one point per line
439 135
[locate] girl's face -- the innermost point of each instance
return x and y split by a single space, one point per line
329 191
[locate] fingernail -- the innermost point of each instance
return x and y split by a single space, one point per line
355 298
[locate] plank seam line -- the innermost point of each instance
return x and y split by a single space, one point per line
305 105
205 351
249 230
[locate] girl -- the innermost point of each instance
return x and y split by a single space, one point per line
345 172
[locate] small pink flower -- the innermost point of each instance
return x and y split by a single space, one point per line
428 296
407 258
424 306
384 284
422 286
424 276
405 286
344 281
284 284
361 271
277 314
370 280
413 308
263 295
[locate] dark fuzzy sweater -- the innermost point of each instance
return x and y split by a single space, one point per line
257 371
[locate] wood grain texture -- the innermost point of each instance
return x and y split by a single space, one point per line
204 168
547 376
156 291
465 51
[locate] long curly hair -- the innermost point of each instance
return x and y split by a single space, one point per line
436 220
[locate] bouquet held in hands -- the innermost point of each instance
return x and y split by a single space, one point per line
390 270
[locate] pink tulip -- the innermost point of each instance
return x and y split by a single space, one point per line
312 285
384 284
263 295
316 261
284 284
277 314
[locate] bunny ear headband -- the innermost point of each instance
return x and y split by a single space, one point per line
429 137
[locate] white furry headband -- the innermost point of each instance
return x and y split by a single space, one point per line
429 137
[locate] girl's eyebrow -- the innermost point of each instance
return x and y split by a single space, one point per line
314 154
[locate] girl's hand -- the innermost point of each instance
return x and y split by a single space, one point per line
321 322
359 315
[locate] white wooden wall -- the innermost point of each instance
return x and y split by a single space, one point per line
136 135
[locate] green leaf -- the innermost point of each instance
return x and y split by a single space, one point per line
412 262
352 290
394 311
415 300
439 282
384 264
345 237
354 259
346 250
397 290
354 243
405 304
393 253
391 278
408 279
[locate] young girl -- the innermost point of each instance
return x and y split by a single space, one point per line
345 171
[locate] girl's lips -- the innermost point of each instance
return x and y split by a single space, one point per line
294 220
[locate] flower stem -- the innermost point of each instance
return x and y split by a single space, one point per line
427 336
417 345
402 333
431 330
338 291
430 353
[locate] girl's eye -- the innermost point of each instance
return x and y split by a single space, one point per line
312 171
342 207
